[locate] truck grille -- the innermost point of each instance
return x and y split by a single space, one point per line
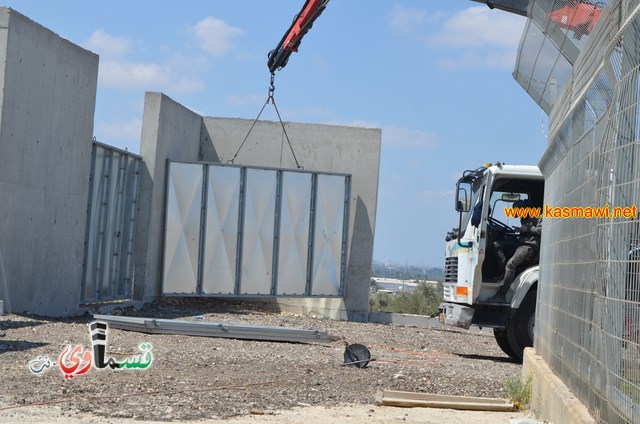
451 270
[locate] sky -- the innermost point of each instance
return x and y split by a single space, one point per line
434 75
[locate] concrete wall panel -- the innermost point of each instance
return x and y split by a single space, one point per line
48 89
322 148
169 131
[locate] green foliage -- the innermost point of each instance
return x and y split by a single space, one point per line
407 272
425 300
630 376
519 390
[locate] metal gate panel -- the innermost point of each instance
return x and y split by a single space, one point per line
329 235
112 238
183 227
110 231
295 212
258 231
129 214
97 208
240 231
221 239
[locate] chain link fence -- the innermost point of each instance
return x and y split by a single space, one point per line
580 60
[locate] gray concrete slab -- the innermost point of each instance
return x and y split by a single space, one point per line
47 100
171 131
551 399
322 148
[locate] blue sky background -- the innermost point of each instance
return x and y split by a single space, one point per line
435 75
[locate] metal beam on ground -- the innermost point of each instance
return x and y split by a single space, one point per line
215 329
410 399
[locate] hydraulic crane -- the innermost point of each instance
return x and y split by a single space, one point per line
312 9
577 15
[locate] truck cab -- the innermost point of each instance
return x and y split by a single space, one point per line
475 254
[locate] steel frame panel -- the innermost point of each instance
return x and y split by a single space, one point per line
330 213
294 241
221 230
111 219
268 218
183 231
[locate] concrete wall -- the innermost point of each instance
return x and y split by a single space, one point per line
551 399
171 131
47 101
322 148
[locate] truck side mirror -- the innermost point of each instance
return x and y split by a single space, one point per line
463 197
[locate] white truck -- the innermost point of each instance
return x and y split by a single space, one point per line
473 268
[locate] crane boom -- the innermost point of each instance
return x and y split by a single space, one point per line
303 21
291 40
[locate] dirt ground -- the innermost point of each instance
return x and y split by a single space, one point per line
343 414
198 378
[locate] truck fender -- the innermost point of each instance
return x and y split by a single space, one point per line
525 280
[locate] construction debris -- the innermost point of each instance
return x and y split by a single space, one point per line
410 399
215 329
356 355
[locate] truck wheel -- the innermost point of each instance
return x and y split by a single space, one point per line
520 328
502 340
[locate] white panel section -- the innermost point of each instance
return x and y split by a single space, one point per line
184 203
221 240
259 212
328 235
294 233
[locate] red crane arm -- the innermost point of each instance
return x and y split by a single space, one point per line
291 40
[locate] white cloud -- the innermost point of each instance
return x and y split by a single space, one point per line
361 123
121 130
393 136
215 35
479 37
146 76
404 20
479 26
117 69
108 45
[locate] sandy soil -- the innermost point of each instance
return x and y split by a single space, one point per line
344 414
198 378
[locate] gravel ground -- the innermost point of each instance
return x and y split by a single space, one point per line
195 378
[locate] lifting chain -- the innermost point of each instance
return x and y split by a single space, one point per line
272 100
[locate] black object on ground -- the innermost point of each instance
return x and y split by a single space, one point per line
356 355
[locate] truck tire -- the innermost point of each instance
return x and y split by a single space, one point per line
520 328
502 340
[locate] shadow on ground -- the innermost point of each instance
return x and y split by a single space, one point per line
18 345
189 307
502 359
13 324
